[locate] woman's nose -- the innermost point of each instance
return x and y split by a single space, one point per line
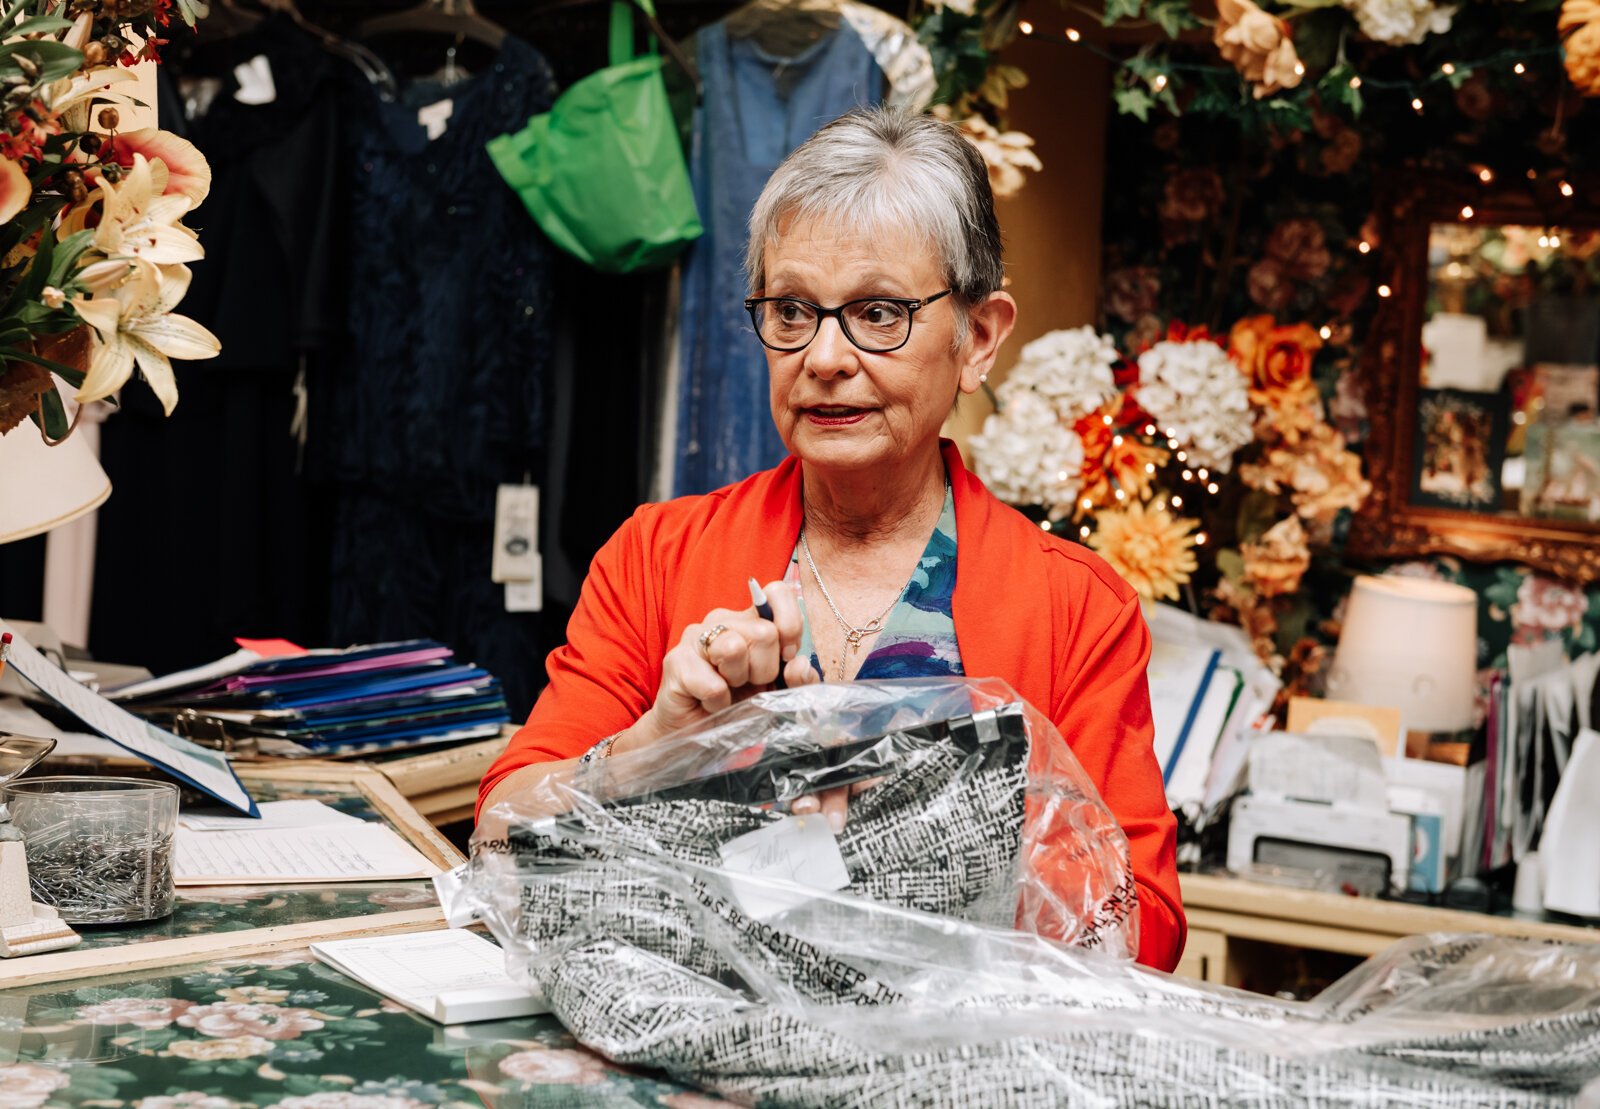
830 353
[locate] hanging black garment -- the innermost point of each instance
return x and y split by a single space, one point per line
439 394
209 505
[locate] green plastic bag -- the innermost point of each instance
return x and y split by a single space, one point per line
602 172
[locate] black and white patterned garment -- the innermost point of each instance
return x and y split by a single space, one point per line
910 987
940 833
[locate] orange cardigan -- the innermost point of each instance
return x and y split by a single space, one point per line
1047 616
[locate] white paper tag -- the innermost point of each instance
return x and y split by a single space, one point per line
527 596
256 85
516 534
447 887
798 849
436 117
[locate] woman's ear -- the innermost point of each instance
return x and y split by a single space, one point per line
990 324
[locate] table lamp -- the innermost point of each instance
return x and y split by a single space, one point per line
1410 644
43 487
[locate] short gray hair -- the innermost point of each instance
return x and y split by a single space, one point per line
878 168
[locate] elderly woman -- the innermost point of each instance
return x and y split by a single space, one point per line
874 261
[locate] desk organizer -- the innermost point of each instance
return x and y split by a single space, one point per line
99 849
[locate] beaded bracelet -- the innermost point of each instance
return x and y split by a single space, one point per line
587 768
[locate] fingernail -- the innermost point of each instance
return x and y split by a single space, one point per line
836 821
805 805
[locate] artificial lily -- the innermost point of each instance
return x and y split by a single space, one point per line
135 325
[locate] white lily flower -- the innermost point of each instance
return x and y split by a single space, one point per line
135 326
139 222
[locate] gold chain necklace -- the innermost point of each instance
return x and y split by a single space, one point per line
852 634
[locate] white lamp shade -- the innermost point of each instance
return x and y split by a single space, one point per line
43 487
1410 644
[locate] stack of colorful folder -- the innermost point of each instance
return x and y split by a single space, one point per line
331 703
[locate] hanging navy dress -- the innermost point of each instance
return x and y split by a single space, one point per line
440 395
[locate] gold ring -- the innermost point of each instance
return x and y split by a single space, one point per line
708 636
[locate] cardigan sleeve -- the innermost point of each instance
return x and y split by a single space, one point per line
603 679
1104 715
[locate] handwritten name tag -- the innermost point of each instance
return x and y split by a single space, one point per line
797 849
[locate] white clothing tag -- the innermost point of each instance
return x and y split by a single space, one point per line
436 116
797 849
256 85
527 596
516 534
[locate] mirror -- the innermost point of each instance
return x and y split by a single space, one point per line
1483 380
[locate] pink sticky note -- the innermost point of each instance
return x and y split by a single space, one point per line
271 648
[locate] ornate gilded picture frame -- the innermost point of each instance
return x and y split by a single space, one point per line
1479 264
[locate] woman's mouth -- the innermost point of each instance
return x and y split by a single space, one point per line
835 415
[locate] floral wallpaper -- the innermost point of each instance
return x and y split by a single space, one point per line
1216 220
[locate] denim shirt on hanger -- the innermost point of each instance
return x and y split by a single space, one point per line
757 108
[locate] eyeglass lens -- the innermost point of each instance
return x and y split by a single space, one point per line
872 325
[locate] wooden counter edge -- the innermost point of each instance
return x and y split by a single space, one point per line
1214 898
32 970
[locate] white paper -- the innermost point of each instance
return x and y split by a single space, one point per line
417 967
1186 785
236 663
209 770
797 849
274 814
371 852
1179 676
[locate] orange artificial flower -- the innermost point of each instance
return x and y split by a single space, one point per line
1109 465
1275 357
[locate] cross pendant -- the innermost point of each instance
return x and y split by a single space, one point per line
854 639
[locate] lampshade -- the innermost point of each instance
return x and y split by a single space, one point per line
43 487
1410 644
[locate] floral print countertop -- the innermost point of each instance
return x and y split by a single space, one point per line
288 1032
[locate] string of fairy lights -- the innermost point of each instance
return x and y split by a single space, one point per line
1518 61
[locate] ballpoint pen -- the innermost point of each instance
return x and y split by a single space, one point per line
758 597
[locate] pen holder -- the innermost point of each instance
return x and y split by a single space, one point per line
99 849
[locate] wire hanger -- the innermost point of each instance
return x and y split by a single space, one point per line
443 17
785 28
370 65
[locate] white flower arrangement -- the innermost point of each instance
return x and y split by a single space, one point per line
1400 22
1026 453
1072 369
1199 397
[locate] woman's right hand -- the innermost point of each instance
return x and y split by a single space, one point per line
747 654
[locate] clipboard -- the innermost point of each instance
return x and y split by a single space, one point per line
205 770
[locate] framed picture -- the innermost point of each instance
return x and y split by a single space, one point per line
1460 450
1563 470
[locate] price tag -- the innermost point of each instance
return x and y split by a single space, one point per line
516 534
797 849
527 596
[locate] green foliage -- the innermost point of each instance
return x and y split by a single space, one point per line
960 60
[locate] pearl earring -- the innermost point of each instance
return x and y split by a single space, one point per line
982 378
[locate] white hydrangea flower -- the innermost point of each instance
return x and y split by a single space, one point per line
1198 397
1025 454
1400 22
1072 369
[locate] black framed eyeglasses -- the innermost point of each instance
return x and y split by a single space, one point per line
876 325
